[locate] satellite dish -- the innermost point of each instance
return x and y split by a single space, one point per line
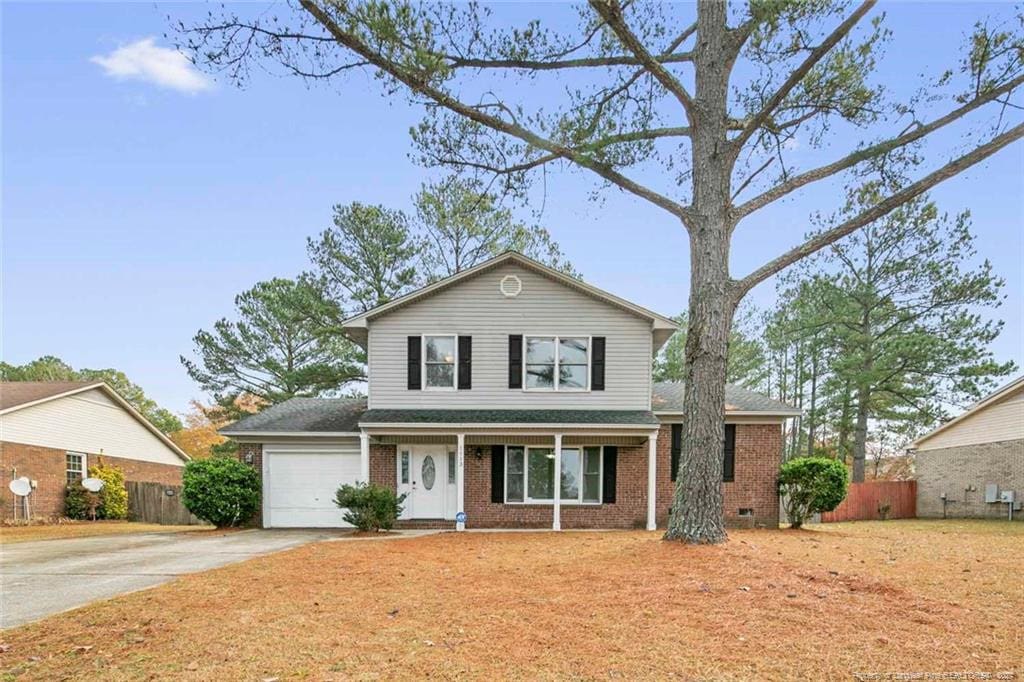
20 486
93 485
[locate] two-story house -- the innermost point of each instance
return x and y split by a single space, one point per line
485 385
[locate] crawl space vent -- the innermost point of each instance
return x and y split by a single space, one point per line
510 286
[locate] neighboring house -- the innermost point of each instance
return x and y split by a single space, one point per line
981 448
52 431
483 385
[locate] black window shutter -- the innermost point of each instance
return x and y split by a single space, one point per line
515 361
729 460
611 456
597 363
498 473
677 448
415 375
465 362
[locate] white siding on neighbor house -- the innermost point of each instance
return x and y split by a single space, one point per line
1002 420
86 422
475 307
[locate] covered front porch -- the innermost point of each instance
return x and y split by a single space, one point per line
460 473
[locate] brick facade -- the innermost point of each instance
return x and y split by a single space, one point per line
758 456
962 472
47 466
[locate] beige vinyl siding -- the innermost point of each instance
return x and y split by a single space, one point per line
477 308
1002 420
86 422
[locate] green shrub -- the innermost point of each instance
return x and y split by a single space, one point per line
76 501
369 507
114 495
810 485
220 490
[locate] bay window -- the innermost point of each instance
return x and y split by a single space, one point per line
556 363
530 474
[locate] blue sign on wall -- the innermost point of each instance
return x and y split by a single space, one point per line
460 517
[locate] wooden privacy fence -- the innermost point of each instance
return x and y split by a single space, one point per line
158 503
865 500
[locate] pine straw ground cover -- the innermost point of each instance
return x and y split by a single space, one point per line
83 529
821 603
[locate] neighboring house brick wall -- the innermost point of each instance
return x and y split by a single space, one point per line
758 455
955 469
47 466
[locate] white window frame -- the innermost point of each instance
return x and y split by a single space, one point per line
423 362
579 501
85 465
557 387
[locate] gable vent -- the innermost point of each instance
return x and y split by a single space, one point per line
510 286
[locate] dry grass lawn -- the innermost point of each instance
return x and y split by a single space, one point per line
822 603
62 531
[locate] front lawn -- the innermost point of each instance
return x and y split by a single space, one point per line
82 529
826 602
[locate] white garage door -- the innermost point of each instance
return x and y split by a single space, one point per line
302 482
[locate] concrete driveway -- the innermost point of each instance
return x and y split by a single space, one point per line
38 579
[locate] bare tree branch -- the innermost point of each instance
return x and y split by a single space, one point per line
611 12
419 84
958 165
915 133
816 55
582 62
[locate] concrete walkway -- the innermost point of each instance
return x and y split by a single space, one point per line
38 579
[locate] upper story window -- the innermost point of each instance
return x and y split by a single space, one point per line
439 361
556 363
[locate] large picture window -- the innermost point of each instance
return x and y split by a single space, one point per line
439 361
530 474
557 363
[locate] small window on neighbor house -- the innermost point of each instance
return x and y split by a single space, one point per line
75 466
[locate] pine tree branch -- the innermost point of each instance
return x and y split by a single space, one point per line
816 55
954 167
611 12
417 83
581 62
918 132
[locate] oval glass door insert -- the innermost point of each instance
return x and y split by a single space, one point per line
428 473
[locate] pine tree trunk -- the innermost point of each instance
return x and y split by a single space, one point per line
697 515
860 436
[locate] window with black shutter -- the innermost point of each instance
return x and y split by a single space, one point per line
677 448
465 363
611 456
597 363
497 473
729 459
415 378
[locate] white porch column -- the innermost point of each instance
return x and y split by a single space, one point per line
364 457
460 482
556 523
652 481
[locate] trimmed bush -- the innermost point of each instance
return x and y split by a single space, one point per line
222 491
114 495
369 507
810 485
76 501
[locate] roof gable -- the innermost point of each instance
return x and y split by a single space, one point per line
1001 394
356 326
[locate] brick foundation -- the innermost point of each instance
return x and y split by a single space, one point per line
47 466
962 472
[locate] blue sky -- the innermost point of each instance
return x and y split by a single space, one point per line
133 212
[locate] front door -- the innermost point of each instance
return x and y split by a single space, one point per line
426 480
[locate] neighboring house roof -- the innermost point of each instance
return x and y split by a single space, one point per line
667 398
338 416
427 417
990 399
356 325
18 395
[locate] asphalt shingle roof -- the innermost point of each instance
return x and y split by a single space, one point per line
668 397
316 415
13 393
642 417
343 415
